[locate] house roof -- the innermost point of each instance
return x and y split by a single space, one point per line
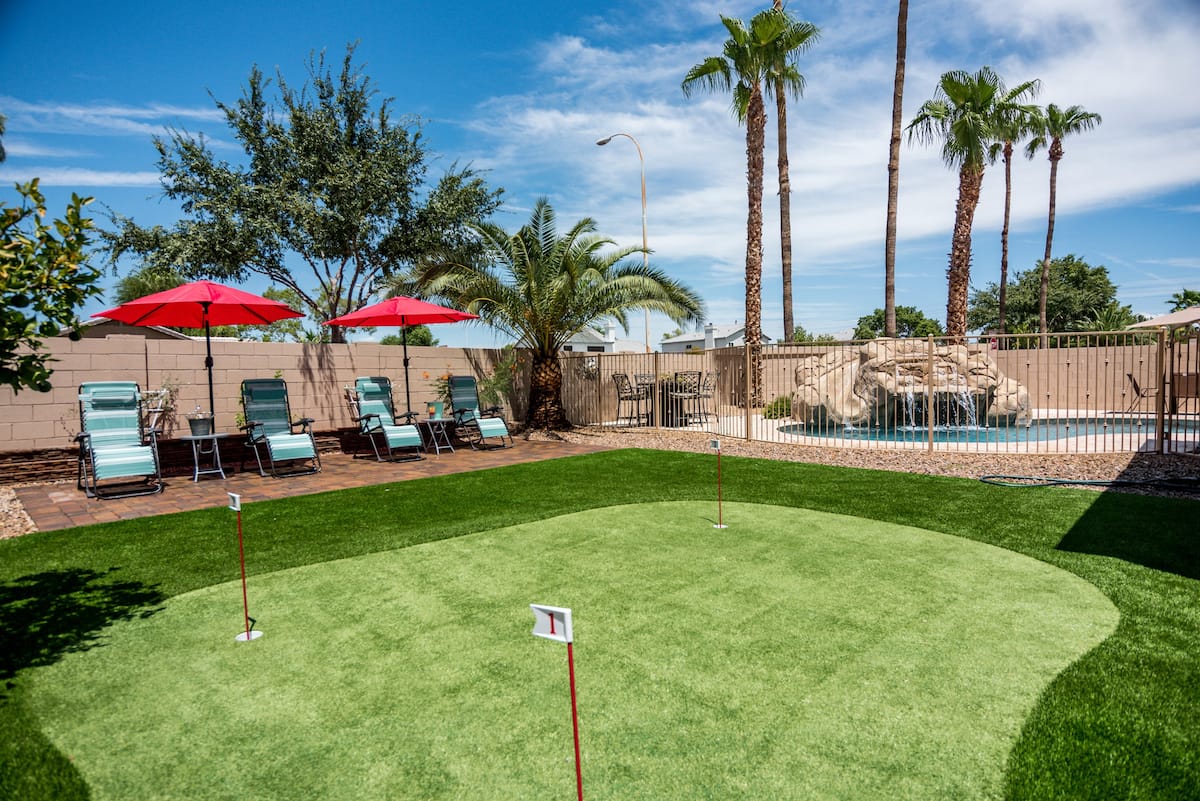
719 332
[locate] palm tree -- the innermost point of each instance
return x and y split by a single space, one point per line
542 288
786 79
1050 129
746 61
1014 126
964 115
893 202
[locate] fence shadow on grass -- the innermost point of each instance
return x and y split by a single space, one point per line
1141 529
45 615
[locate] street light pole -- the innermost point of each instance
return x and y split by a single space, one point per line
645 253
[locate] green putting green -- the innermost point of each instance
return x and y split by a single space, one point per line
795 654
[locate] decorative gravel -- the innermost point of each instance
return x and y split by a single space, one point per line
1179 469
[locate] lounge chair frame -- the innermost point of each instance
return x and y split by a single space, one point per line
266 428
372 406
114 444
471 423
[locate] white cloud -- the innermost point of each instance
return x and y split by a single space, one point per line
79 177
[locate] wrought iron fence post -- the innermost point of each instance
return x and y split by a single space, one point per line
1160 418
930 407
748 389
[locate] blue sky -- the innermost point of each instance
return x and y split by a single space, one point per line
524 90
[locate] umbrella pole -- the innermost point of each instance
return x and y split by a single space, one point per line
404 342
208 363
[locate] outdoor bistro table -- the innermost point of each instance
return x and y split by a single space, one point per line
666 409
434 428
198 451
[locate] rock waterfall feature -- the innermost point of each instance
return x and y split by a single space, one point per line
897 383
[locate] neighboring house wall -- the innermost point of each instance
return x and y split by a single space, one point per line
315 374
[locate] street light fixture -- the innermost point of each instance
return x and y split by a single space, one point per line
645 254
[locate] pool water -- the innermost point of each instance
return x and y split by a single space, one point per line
1043 430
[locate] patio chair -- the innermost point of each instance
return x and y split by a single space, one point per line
270 429
685 396
708 390
1140 393
113 443
372 407
631 396
472 423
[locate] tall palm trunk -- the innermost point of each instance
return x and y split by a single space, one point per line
545 394
1008 151
756 124
893 202
970 183
785 209
1056 153
785 202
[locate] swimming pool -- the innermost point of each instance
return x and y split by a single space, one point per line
1042 430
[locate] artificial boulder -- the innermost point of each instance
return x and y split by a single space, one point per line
898 382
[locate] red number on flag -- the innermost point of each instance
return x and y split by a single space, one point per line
552 623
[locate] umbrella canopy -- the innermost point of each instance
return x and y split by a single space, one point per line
201 304
1186 316
403 312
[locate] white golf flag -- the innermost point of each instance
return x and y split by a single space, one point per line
714 444
235 501
552 622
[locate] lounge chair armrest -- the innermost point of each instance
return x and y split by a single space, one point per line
82 437
362 418
305 423
407 417
494 410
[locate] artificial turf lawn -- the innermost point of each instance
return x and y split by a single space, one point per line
1123 722
796 654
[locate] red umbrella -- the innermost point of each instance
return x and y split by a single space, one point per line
402 311
199 305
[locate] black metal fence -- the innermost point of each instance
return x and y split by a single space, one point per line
1066 393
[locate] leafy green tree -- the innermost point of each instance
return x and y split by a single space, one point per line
542 287
1078 295
44 278
1050 128
417 335
910 322
145 281
748 59
1184 299
785 79
331 188
800 335
965 116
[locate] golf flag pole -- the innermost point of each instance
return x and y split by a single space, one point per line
235 503
715 444
554 623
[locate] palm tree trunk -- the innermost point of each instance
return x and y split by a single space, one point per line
1056 153
545 395
970 183
893 202
1008 151
785 209
756 124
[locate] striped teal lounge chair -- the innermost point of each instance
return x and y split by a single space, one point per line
113 447
372 407
471 423
271 432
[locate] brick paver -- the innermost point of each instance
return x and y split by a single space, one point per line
55 506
